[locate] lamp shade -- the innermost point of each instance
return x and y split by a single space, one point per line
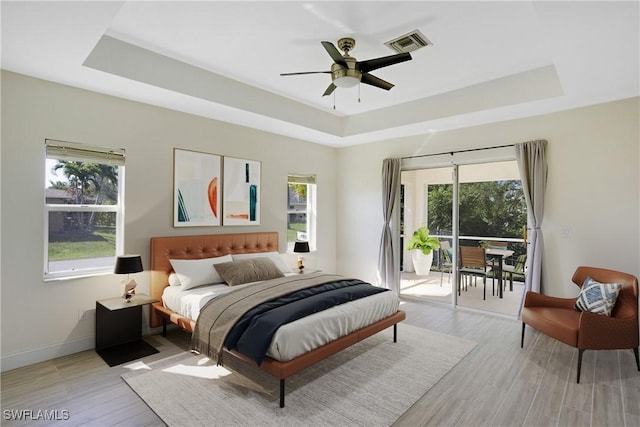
126 264
300 247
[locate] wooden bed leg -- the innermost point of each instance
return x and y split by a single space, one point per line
395 332
282 393
164 326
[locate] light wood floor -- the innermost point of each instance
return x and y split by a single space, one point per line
496 384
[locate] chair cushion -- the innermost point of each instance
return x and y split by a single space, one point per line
597 297
559 323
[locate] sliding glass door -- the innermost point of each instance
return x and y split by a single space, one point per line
473 204
493 216
421 190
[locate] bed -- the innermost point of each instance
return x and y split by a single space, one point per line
165 249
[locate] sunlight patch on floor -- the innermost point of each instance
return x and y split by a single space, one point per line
137 366
210 372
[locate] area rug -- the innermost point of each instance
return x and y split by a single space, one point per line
370 383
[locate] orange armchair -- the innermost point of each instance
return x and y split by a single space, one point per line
557 317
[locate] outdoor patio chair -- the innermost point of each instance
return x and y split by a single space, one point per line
445 259
496 245
517 268
473 264
593 328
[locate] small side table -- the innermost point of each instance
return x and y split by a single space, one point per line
119 329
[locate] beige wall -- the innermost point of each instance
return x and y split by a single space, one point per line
40 320
593 189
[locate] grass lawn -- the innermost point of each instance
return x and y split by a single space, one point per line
293 229
100 243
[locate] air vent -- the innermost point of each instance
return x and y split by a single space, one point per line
409 42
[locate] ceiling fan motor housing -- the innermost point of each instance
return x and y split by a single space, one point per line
345 77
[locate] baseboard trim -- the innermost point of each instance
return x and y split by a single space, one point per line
29 357
25 358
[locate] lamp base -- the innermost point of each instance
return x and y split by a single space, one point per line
128 289
300 264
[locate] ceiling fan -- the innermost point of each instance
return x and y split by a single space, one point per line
346 71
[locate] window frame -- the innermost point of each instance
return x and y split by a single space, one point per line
64 150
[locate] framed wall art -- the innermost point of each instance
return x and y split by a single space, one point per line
241 191
196 188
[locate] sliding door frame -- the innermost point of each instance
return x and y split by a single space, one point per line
452 160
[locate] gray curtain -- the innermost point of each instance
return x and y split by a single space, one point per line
386 263
532 163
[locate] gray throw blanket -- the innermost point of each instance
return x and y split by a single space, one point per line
220 314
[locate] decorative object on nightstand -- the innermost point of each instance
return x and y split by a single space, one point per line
301 247
127 264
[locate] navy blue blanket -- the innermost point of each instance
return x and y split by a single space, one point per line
252 334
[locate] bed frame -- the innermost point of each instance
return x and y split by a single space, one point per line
214 245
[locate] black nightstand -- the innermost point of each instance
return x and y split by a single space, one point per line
119 329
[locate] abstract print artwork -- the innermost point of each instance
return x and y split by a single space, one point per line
196 189
241 201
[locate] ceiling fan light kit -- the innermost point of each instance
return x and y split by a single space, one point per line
347 72
345 78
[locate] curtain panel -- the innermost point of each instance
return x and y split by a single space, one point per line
532 163
387 274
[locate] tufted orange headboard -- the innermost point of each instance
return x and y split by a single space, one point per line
200 246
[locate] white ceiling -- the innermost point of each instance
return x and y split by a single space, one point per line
490 61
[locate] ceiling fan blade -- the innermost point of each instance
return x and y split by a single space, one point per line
375 81
384 61
334 53
305 72
329 90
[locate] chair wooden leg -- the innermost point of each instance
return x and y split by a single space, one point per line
580 352
522 338
635 351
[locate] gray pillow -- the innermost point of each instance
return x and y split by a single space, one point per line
248 270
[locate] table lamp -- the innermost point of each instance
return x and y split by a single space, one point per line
301 247
127 264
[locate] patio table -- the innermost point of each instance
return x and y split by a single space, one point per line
498 255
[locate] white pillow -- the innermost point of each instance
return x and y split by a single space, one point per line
274 256
198 272
174 280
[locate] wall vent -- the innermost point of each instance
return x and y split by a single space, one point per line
409 42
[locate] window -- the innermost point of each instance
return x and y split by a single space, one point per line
301 210
84 223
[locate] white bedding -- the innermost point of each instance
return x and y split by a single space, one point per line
299 337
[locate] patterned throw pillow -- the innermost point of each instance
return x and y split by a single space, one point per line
598 297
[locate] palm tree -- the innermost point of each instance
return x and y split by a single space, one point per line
105 181
89 179
79 175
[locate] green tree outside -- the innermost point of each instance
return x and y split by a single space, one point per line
486 209
86 234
